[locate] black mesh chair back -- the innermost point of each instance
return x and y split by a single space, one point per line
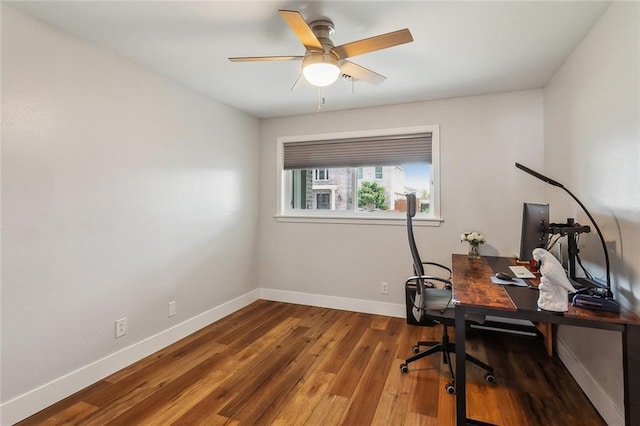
418 269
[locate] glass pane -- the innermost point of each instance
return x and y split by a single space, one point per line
418 180
322 189
368 190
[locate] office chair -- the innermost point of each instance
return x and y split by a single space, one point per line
428 299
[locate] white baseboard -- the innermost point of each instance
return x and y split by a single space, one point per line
342 303
37 399
598 397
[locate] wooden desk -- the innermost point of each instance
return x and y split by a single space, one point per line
473 293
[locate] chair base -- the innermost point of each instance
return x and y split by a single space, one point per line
446 348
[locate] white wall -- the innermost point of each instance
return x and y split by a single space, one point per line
480 139
592 145
121 191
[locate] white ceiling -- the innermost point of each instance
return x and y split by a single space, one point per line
459 48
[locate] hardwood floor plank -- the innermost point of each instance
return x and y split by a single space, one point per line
187 399
446 403
394 400
333 335
63 405
161 396
245 357
70 415
365 399
428 387
254 388
414 419
328 411
380 323
281 364
127 393
264 408
250 332
241 325
206 410
299 407
355 326
254 382
193 340
349 375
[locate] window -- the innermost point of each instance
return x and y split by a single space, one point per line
359 175
378 172
323 201
322 174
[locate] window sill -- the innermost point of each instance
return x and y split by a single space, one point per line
400 220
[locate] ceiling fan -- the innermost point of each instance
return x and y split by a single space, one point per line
323 62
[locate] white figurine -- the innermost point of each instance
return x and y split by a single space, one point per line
554 284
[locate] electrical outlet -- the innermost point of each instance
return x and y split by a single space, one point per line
172 308
121 327
384 288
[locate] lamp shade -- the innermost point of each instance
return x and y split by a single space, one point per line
320 69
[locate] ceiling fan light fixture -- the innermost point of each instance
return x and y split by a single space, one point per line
320 69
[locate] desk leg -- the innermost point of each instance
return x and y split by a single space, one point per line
631 371
460 381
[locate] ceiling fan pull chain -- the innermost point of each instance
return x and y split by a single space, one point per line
321 99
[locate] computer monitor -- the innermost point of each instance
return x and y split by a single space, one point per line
535 221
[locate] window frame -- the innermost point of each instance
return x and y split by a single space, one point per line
286 214
321 171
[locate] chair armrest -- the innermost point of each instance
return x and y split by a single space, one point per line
415 279
439 266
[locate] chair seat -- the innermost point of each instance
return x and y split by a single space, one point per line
437 299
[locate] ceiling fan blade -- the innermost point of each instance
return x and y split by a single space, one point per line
372 44
301 29
358 72
265 58
299 81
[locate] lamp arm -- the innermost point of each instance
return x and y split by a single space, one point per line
595 225
540 176
602 241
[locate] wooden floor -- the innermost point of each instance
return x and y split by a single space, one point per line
284 364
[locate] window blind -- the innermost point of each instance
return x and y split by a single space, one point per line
359 152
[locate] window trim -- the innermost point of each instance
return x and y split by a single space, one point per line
318 172
285 214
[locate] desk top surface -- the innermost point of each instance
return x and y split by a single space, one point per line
472 286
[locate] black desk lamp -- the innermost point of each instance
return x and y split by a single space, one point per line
543 178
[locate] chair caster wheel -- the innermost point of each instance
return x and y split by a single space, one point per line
489 378
404 368
416 349
451 390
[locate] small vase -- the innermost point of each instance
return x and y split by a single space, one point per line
474 251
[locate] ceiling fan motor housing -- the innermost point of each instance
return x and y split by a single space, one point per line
323 31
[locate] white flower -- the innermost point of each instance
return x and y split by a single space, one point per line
472 237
